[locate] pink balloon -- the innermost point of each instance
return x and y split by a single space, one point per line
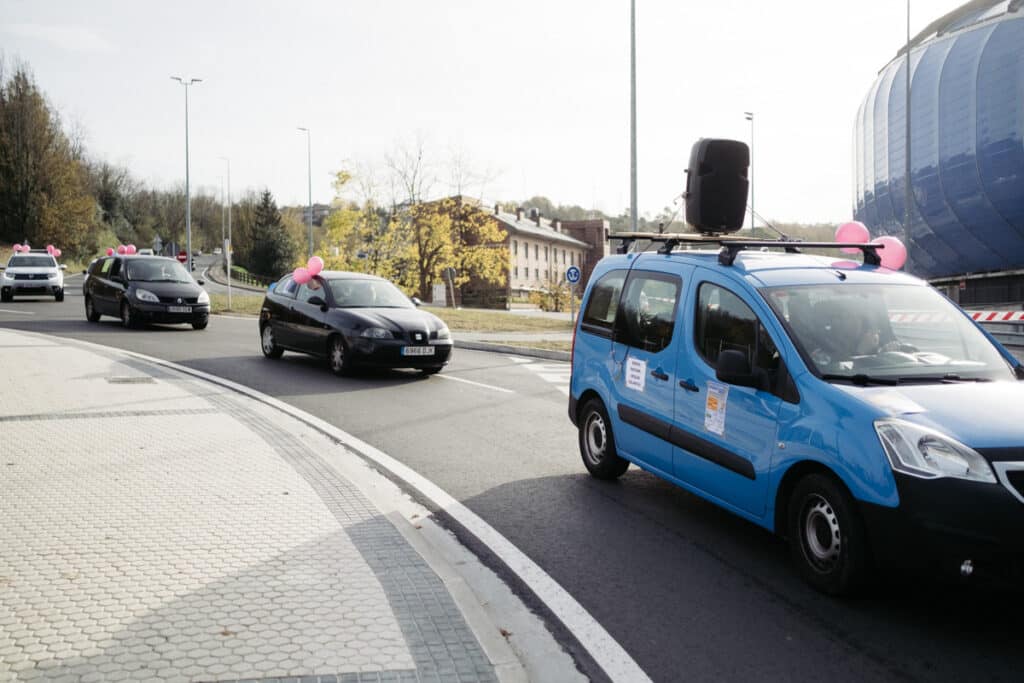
130 249
853 232
57 253
301 276
110 251
16 248
121 249
49 249
314 265
894 255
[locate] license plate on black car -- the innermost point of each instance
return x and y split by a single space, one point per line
417 350
179 309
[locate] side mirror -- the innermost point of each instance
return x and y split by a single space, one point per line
85 272
63 266
734 368
201 282
1018 370
416 301
318 301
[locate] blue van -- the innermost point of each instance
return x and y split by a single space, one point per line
852 409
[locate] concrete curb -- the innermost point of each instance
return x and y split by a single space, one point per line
546 354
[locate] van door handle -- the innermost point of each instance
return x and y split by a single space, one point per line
688 385
658 374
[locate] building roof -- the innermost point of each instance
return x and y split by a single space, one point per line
967 14
527 227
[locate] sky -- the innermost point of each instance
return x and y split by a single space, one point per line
532 94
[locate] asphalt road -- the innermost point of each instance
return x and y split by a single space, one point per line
690 591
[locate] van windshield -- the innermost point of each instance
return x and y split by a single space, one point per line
885 333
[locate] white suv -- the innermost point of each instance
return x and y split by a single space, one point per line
36 272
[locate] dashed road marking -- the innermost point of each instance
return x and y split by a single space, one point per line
476 384
7 310
558 374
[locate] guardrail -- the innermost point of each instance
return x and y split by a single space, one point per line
250 279
1006 326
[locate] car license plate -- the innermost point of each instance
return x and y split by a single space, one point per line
179 309
417 350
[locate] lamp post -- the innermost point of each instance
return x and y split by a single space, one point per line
632 116
188 195
909 196
227 245
749 115
309 170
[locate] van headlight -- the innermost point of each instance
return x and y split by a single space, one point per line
203 298
146 295
928 454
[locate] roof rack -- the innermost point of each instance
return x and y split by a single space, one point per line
731 246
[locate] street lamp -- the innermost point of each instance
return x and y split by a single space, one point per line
750 117
227 244
633 212
188 196
309 170
908 190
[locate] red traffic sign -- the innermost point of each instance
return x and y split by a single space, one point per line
182 256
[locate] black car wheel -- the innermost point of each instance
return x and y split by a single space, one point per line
200 324
338 356
268 344
5 295
129 319
90 311
597 445
826 536
58 296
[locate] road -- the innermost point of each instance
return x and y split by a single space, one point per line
690 591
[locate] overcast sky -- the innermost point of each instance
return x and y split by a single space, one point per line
535 91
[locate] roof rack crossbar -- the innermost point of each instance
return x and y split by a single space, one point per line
731 245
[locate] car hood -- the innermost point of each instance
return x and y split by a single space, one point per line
183 289
979 414
394 319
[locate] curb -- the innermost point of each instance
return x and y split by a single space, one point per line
514 350
598 646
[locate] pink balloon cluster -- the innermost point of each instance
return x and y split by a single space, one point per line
18 248
893 253
123 249
53 251
313 266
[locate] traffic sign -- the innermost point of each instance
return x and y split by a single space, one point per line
182 256
572 274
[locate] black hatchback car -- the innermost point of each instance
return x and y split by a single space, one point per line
352 319
144 289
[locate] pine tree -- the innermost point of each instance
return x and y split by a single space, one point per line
273 250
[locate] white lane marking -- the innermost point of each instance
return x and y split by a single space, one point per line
477 384
7 310
603 649
519 359
558 374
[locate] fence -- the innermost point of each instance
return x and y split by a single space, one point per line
1006 326
253 280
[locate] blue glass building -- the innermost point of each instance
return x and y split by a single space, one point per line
966 148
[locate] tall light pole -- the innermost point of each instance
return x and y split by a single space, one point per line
750 117
632 116
909 195
309 170
228 245
188 194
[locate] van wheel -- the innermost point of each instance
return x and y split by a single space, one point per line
827 540
597 445
90 311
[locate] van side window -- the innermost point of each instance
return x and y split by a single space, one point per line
604 299
724 321
648 311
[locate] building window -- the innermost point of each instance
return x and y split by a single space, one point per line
572 259
563 257
536 251
516 269
536 273
526 250
515 247
545 254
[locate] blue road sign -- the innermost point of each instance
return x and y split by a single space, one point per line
572 274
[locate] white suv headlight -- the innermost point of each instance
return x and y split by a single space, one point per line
928 454
146 295
204 298
53 276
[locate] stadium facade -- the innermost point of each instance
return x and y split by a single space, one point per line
966 229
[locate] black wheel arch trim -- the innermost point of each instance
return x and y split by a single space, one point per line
700 447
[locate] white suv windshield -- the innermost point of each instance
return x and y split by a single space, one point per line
888 333
32 262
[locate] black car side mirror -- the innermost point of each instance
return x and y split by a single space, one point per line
200 282
734 368
318 301
85 272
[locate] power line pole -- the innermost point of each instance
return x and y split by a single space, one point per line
908 170
309 168
188 194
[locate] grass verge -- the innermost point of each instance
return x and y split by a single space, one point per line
497 321
545 345
247 304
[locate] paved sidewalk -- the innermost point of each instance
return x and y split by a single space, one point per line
157 527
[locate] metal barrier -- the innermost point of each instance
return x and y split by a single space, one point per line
1006 326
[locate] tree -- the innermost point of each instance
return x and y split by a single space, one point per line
44 196
269 248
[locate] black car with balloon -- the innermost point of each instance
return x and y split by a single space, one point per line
351 319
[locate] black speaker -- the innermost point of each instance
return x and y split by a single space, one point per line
717 184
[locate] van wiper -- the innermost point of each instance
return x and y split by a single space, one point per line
948 378
863 380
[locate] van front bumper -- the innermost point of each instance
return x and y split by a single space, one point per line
949 527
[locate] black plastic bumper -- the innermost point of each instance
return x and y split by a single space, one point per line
941 523
156 313
388 354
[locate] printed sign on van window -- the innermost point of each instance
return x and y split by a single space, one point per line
714 408
636 373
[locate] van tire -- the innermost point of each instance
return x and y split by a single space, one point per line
827 540
597 443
